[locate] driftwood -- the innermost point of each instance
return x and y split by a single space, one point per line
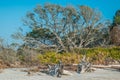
83 67
107 66
56 70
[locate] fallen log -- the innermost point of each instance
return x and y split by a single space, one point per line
108 66
115 66
101 66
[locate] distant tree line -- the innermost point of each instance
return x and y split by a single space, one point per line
115 29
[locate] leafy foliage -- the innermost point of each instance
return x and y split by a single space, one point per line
94 55
42 34
116 20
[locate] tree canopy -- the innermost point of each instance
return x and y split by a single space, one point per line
115 29
66 27
116 20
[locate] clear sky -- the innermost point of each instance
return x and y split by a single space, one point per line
12 11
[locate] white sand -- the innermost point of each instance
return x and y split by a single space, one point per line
99 74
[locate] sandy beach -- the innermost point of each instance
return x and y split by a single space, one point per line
99 74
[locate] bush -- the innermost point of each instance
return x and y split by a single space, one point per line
8 56
94 55
53 57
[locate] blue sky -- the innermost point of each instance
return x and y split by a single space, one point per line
12 11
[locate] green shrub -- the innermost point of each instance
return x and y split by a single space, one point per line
97 55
